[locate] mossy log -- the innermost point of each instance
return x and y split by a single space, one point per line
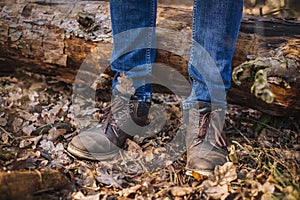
56 39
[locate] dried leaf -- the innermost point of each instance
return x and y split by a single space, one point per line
28 129
15 95
218 189
25 143
291 193
134 147
16 124
128 191
108 177
48 146
87 177
180 191
3 121
26 161
198 176
59 149
268 187
255 188
267 196
32 95
80 196
54 133
148 155
232 154
124 85
215 191
31 141
225 174
5 137
288 153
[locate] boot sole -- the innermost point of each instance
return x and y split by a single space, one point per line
208 173
91 156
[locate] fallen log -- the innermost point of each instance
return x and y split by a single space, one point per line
57 39
30 184
273 77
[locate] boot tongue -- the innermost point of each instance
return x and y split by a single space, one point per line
117 137
142 109
214 133
140 114
204 109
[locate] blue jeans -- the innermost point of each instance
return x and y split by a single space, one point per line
215 31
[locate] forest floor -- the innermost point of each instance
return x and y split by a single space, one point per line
37 121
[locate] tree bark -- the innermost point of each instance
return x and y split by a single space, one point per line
56 39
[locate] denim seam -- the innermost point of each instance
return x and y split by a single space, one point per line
192 50
193 33
150 35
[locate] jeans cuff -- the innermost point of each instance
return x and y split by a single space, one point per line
143 97
201 104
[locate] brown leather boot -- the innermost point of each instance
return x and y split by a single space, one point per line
205 140
122 120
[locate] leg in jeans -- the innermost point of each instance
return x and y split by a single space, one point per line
133 26
215 31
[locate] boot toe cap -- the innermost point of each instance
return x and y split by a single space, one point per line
92 145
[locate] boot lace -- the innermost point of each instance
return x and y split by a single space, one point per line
209 121
117 111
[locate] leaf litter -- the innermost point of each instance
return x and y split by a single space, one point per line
36 124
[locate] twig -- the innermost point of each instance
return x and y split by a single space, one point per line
275 11
5 131
240 132
266 125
